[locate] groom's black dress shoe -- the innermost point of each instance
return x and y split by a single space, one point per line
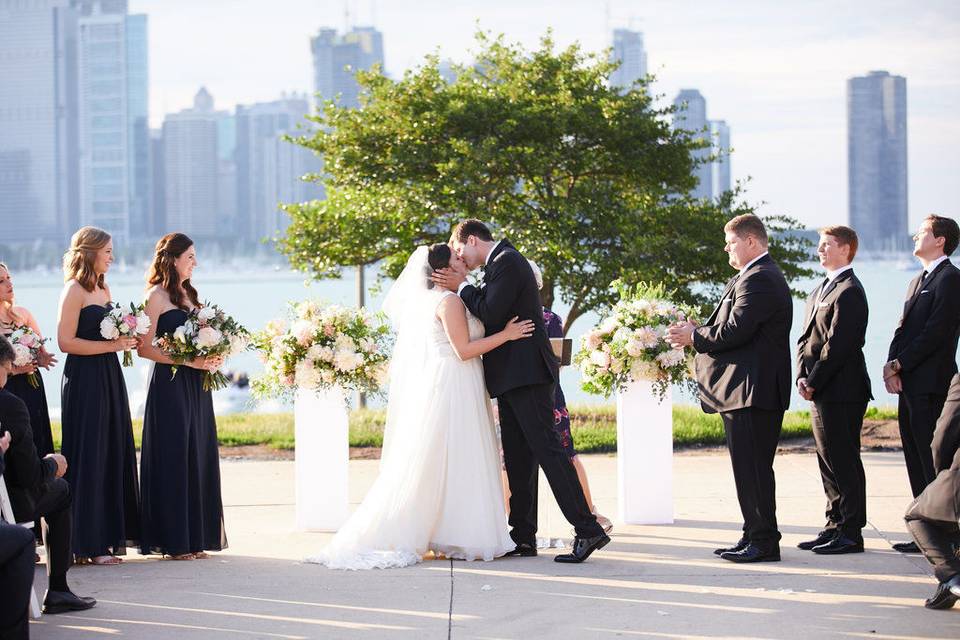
523 550
946 595
906 547
839 544
740 546
63 601
752 553
582 548
822 538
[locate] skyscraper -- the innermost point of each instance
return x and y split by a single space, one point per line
720 168
877 160
191 170
139 172
628 50
337 58
691 115
269 168
38 119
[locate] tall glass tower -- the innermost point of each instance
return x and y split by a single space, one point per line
628 50
337 58
691 115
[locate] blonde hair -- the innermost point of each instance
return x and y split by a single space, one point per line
79 259
9 305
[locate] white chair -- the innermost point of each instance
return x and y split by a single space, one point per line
6 510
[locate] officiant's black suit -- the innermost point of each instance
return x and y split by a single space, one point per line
743 373
521 374
830 357
925 343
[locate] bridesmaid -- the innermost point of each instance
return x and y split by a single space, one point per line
180 460
97 433
13 317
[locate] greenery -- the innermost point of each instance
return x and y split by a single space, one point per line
583 177
594 428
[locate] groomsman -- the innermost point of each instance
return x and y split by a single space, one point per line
922 356
832 374
743 373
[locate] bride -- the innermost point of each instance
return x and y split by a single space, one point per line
439 488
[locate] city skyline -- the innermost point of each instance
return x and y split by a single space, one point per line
777 75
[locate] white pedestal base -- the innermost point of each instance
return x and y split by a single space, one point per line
644 456
322 454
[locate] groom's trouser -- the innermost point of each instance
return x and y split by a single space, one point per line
528 436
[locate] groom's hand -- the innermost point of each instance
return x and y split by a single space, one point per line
681 334
449 278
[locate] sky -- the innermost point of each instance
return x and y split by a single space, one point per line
775 71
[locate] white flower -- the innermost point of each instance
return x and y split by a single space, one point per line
368 345
647 337
238 343
643 370
609 325
634 348
108 328
307 375
143 324
600 359
208 337
303 331
22 355
344 343
327 376
347 361
206 314
316 352
671 358
180 334
616 365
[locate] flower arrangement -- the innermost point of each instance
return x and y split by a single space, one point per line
630 344
26 347
321 346
207 331
129 323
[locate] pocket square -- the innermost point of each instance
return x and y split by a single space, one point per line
824 304
924 291
727 300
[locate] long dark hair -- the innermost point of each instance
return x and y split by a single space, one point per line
163 272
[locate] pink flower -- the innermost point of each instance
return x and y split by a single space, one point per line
27 340
329 330
130 320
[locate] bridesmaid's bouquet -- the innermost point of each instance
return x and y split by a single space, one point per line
26 347
630 345
130 323
208 331
319 346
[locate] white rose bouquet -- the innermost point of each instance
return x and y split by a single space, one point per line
122 322
26 345
630 343
208 331
321 346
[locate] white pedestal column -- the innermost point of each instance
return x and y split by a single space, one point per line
644 456
322 454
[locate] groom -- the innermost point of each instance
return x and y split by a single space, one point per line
521 374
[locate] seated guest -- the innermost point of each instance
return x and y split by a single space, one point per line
37 490
16 572
932 517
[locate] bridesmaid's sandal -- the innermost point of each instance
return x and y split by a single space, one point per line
201 555
102 561
181 556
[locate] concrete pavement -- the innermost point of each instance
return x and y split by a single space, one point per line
651 582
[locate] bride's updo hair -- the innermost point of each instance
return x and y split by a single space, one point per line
438 257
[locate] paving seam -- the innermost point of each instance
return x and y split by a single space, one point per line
450 610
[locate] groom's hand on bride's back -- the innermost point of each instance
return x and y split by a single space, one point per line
449 278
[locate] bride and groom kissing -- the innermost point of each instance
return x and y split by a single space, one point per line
439 489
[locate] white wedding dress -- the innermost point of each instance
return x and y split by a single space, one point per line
439 488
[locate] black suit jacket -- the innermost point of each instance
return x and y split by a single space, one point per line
510 289
830 349
26 472
743 350
925 342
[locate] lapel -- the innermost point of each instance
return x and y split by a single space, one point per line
816 298
504 244
733 283
918 287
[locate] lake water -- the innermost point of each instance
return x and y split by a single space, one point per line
255 295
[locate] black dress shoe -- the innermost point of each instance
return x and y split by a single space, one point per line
740 546
752 553
839 544
62 601
522 550
946 595
906 547
582 548
822 538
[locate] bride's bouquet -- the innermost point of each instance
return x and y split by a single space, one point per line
207 332
630 345
128 323
321 346
26 347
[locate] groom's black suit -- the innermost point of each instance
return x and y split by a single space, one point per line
521 374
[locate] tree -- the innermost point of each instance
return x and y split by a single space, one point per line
581 176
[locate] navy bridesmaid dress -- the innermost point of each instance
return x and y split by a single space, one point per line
180 460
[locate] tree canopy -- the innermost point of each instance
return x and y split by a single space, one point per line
585 178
